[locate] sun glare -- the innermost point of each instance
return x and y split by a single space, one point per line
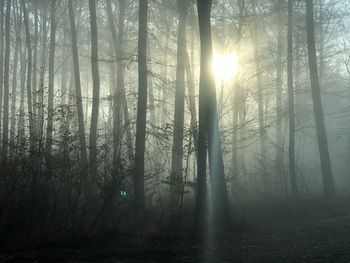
224 66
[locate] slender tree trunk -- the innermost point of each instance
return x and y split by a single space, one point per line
260 99
328 184
2 6
279 73
176 175
237 100
139 176
40 103
35 68
192 102
165 86
5 131
82 142
50 111
29 76
209 114
21 130
292 174
18 28
95 89
119 97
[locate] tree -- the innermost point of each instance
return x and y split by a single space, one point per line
326 169
6 82
2 4
139 175
50 111
292 174
18 28
176 180
209 130
81 125
95 89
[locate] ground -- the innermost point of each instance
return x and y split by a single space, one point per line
306 232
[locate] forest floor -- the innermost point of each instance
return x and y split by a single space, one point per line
310 231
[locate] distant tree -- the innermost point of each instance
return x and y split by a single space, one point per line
260 96
291 155
29 76
328 184
2 5
96 88
50 110
176 176
80 112
6 82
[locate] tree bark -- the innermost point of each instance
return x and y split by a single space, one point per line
328 184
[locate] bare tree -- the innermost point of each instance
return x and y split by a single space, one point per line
328 184
80 112
292 174
95 90
139 176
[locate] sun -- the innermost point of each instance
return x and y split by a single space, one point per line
224 66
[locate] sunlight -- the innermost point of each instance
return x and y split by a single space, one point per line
224 66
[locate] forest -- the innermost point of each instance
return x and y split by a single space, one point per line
174 131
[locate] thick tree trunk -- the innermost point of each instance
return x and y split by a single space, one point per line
5 141
176 175
95 89
208 121
139 176
292 174
50 111
328 184
81 126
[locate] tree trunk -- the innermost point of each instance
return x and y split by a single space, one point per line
192 102
82 142
176 175
50 111
95 89
260 98
139 176
328 184
18 28
5 131
2 6
208 121
279 73
35 68
29 76
292 174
